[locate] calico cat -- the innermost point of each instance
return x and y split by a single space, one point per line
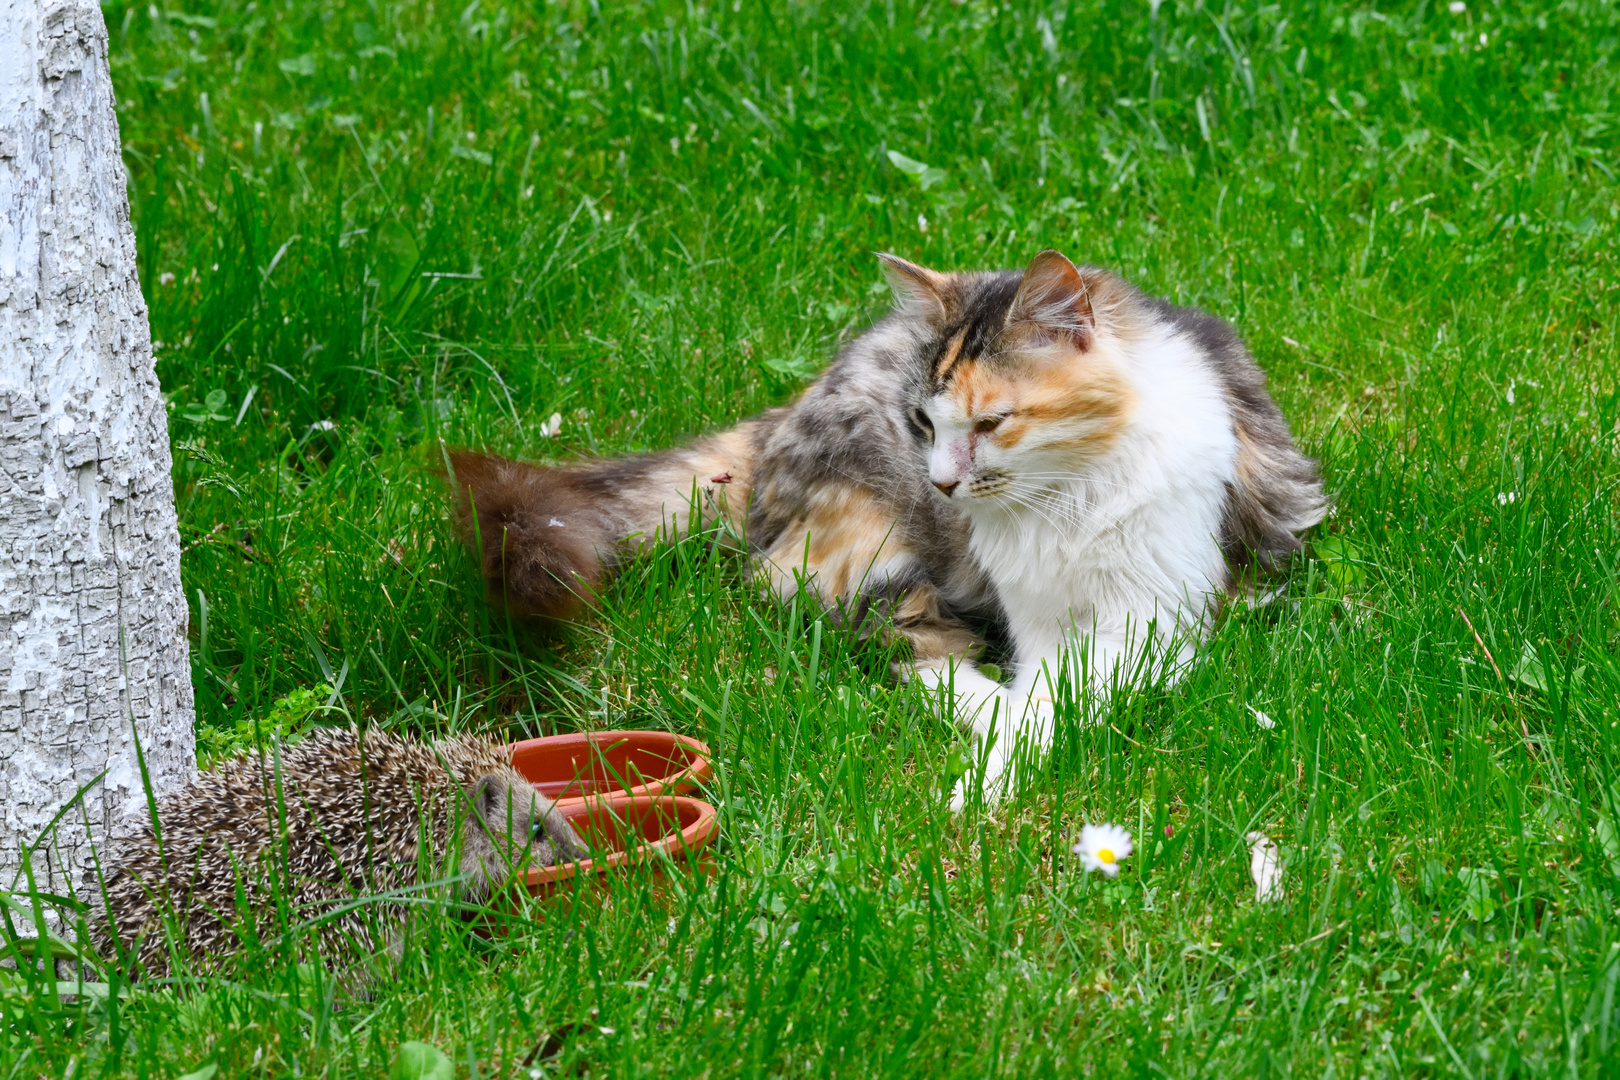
1050 454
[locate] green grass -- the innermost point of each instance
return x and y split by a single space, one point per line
391 224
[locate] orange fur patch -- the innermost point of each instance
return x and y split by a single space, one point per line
935 638
720 469
731 453
952 353
1084 402
835 544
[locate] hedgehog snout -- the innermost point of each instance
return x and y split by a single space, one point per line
520 827
561 840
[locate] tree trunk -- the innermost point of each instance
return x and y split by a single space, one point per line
93 618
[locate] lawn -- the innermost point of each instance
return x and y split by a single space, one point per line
371 230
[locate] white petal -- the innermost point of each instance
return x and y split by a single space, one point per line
1266 723
1265 866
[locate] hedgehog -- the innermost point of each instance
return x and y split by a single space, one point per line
353 815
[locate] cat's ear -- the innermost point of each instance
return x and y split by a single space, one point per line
915 286
1053 300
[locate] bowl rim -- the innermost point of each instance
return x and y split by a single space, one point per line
678 844
699 769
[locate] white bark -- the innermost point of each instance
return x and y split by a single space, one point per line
92 615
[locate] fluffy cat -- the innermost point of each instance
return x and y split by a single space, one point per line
1051 455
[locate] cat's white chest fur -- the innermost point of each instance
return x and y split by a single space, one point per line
1128 542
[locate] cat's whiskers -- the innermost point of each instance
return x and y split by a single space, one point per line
1073 499
1075 533
1040 512
1062 523
1074 477
1048 503
1060 502
1069 511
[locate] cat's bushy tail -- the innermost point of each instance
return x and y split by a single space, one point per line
547 538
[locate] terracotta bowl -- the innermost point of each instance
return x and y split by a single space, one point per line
626 830
591 763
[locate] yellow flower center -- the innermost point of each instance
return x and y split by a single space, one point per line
1105 855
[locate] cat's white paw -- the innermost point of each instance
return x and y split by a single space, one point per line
1028 725
1038 719
971 697
989 786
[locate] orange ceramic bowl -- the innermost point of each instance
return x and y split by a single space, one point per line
591 763
624 830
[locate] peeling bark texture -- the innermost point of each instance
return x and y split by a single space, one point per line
92 614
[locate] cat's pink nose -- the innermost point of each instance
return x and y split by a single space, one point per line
947 488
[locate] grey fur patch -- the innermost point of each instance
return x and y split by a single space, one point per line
851 427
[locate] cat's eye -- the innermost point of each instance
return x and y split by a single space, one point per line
987 424
920 421
537 830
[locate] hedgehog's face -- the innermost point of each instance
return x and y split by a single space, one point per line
518 828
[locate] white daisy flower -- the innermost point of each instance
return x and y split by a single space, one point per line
1266 723
1102 846
552 426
